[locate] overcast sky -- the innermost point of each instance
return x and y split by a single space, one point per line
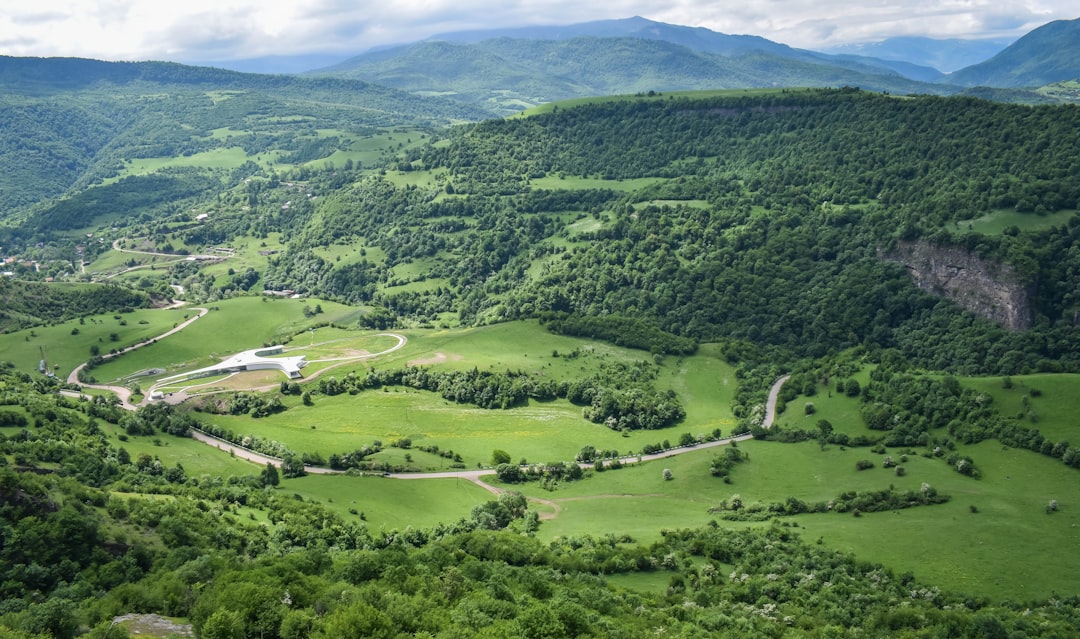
194 30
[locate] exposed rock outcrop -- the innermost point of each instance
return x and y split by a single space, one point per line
988 289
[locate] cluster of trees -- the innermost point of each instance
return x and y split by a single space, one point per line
623 331
734 509
24 304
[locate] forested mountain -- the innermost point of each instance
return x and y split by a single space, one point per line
506 72
1048 54
74 122
762 213
762 232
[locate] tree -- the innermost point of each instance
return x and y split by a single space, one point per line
825 427
292 466
668 476
499 456
223 624
270 475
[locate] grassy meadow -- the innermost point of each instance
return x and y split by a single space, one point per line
994 537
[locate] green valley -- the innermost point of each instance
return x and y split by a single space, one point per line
320 358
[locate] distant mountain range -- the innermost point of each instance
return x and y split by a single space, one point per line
508 69
943 55
1049 54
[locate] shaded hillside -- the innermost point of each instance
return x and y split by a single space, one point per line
1048 54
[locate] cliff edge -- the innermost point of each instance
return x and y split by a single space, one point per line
986 288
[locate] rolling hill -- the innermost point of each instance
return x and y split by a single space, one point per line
75 123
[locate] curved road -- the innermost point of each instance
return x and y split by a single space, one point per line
123 392
473 476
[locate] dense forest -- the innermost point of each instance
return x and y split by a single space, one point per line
764 225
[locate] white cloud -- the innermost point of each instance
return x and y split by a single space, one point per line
223 29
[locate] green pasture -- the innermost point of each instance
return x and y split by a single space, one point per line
68 350
197 458
841 411
231 326
422 179
995 222
1052 410
539 432
525 346
705 383
389 504
219 158
1010 548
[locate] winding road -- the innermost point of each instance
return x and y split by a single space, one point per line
123 392
474 476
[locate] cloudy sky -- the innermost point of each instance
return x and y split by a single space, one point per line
197 30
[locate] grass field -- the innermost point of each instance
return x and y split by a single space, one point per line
231 326
1052 410
992 539
389 504
67 345
948 545
997 221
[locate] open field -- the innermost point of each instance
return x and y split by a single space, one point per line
392 504
997 221
973 551
68 344
1052 410
232 326
540 432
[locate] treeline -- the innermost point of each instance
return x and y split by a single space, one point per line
857 503
622 397
623 331
33 303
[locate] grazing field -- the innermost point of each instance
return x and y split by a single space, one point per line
231 326
68 344
997 221
390 503
969 544
1049 403
1009 548
540 432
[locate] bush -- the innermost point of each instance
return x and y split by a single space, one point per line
863 464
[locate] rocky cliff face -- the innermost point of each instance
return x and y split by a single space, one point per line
986 288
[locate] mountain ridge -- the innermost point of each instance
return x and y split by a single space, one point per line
1048 54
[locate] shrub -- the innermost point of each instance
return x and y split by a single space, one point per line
863 464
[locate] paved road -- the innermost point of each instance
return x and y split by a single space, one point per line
469 475
123 392
475 475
